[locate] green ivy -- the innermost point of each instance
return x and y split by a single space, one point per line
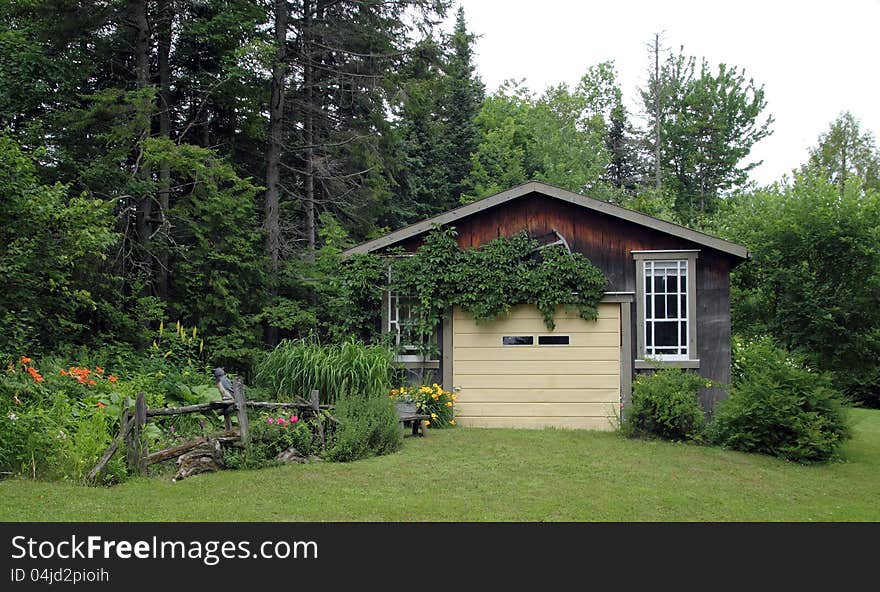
487 281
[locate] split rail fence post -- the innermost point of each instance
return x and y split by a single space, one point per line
136 447
241 407
316 409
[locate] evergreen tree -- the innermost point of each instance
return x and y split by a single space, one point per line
464 97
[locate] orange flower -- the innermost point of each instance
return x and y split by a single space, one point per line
92 383
64 373
101 405
35 375
26 360
99 370
112 378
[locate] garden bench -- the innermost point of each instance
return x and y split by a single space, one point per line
418 422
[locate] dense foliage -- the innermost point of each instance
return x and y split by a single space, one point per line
666 404
813 281
779 406
487 281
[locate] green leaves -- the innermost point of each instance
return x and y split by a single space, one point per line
487 281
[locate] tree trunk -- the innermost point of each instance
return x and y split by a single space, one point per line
657 176
144 206
272 216
166 17
309 125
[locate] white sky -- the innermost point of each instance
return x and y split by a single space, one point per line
815 59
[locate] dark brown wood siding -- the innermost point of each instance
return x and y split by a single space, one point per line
608 242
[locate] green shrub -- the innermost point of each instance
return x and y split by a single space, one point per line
298 367
666 404
369 427
779 406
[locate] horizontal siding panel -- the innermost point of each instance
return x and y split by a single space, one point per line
536 381
535 326
603 409
585 395
543 353
581 423
603 339
606 311
558 367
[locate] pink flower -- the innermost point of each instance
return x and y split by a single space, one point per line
270 420
281 421
171 429
294 419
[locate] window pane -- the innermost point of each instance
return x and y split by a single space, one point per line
649 308
659 283
672 283
684 336
684 306
649 334
665 334
672 307
659 307
518 340
552 339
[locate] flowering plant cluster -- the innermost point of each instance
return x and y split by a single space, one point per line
25 361
282 421
86 376
432 400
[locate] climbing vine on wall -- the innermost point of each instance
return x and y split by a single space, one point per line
487 281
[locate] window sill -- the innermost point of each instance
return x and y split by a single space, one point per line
651 364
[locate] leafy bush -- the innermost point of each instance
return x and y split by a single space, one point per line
779 406
369 427
431 400
665 403
298 367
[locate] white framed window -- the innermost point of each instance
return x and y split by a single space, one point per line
400 324
666 308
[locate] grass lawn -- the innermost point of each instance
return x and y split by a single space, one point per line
474 474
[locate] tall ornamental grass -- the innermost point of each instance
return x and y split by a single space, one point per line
299 366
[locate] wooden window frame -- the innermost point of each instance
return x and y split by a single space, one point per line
642 360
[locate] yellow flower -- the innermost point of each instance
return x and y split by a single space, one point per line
451 422
433 416
427 423
435 396
449 403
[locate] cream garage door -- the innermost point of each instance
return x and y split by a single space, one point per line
513 372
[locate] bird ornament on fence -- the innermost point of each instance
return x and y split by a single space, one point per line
223 384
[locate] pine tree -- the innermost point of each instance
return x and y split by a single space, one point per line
464 96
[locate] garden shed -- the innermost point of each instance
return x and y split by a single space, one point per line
666 304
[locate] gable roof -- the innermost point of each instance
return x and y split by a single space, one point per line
590 203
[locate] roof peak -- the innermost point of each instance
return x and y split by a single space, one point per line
542 188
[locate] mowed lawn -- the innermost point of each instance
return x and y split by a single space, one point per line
504 475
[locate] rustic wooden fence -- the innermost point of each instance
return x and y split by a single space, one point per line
138 457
